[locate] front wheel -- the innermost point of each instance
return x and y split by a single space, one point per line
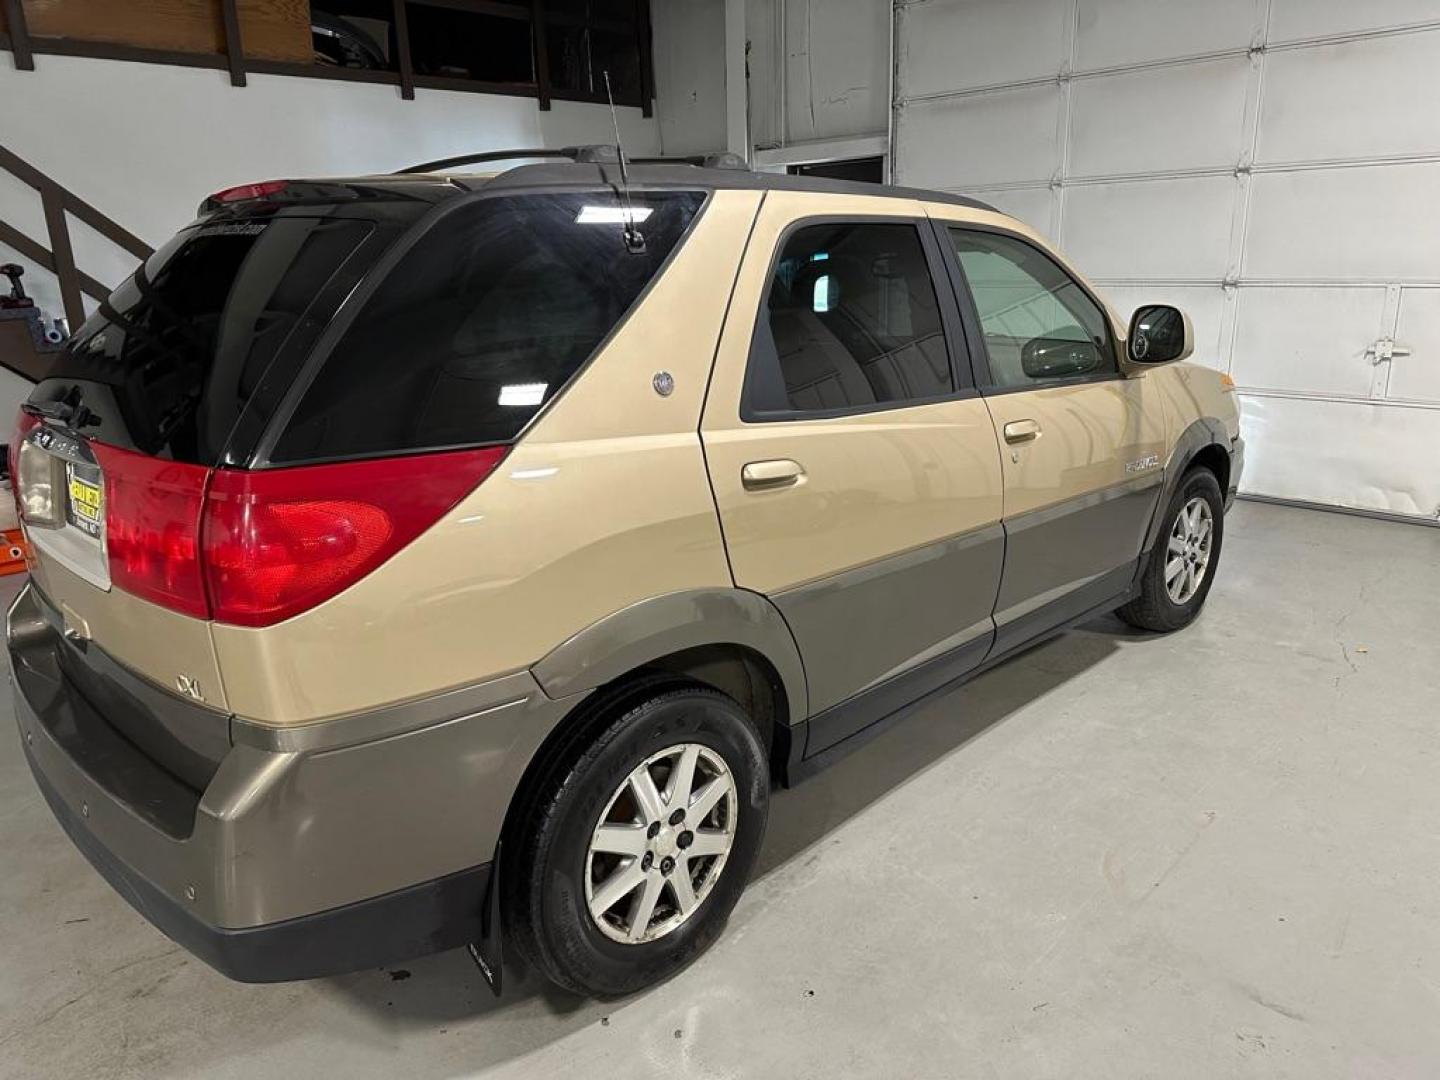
1181 567
641 843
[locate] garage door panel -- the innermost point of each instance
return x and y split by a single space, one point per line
1307 339
1297 20
1352 99
1160 229
1005 136
1380 223
1205 304
1114 32
1034 206
1417 377
948 45
1341 453
1128 123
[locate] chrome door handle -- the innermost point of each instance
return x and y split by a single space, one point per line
1018 431
768 475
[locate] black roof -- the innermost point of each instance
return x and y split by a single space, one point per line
564 174
573 168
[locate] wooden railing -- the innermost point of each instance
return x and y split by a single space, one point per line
24 46
59 257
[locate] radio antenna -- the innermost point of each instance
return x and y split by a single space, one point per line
634 240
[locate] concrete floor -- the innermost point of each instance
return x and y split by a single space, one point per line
1208 855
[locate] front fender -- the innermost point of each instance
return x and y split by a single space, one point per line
1206 431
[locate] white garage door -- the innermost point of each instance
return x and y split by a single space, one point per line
1272 166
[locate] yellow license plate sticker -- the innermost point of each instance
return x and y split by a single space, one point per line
85 507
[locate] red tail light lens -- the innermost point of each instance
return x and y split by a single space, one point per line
152 527
280 541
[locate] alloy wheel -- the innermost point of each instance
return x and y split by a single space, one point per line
660 844
1187 553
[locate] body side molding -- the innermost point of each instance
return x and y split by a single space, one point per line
661 625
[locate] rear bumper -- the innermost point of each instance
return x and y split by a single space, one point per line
425 918
313 851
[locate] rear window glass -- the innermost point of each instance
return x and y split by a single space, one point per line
174 353
481 323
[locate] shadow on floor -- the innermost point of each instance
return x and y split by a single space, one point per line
448 988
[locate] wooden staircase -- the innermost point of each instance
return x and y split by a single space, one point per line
23 348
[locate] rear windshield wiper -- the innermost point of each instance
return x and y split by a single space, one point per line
73 416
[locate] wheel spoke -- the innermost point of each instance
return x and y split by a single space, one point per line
706 798
652 809
680 885
1172 568
1176 546
616 887
708 842
620 840
682 778
643 907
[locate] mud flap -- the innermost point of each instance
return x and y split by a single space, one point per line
489 953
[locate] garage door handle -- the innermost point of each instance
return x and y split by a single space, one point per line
1018 431
769 475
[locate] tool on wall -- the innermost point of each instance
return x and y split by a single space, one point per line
17 297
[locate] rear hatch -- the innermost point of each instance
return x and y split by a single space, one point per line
175 375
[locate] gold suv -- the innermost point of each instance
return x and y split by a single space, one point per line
433 559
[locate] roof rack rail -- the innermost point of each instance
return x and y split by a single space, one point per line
705 161
597 154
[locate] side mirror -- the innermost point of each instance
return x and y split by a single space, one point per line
1159 334
1058 358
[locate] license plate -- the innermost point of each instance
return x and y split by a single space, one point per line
85 498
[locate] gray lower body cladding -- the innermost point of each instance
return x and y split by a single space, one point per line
318 831
861 627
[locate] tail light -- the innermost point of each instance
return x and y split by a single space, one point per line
152 527
280 541
252 548
24 424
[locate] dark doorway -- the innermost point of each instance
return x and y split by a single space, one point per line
870 170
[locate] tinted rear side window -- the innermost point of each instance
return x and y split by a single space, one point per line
481 323
174 353
851 321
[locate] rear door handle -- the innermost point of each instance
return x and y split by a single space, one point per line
1018 431
768 475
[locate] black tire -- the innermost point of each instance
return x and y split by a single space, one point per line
547 914
1154 609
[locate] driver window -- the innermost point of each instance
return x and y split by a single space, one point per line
1039 325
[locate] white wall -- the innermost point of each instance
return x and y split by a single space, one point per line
688 46
144 143
818 71
1270 165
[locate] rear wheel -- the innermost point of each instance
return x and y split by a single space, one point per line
639 844
1181 567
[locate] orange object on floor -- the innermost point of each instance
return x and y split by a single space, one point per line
12 552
